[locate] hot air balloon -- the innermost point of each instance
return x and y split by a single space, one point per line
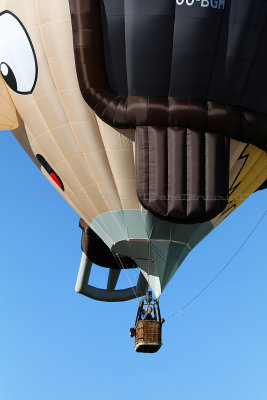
148 117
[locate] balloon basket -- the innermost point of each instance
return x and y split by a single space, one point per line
148 336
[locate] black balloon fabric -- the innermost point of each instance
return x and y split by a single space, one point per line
186 75
160 48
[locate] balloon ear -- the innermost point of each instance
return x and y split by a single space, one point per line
8 114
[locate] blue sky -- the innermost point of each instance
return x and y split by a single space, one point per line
58 345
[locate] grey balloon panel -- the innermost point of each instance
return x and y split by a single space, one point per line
113 278
175 258
159 48
108 295
157 246
116 226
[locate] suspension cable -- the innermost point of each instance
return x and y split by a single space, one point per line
125 269
181 310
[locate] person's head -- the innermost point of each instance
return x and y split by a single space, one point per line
149 310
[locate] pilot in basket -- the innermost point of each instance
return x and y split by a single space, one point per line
148 326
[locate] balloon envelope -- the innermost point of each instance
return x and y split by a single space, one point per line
82 124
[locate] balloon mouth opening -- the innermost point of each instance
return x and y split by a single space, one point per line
53 175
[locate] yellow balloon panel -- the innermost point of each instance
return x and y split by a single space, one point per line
247 173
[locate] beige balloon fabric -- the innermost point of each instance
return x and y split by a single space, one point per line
87 154
8 114
94 161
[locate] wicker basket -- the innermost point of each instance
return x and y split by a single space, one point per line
148 336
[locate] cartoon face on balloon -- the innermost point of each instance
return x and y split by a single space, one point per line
140 70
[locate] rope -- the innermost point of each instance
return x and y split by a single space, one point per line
149 257
181 310
125 269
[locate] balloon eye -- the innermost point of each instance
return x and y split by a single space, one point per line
18 62
9 76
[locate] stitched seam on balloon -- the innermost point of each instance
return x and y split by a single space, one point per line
110 167
114 179
76 198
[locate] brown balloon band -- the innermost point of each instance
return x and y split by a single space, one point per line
181 144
